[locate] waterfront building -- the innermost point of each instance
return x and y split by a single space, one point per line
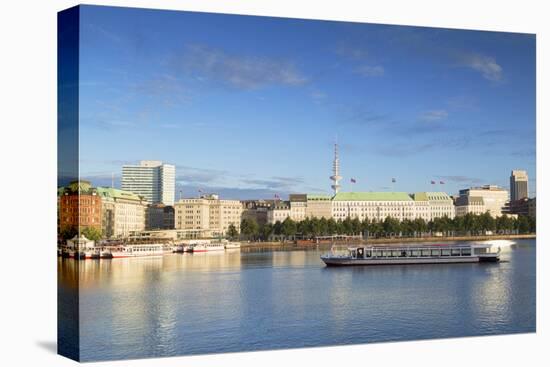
430 205
123 212
208 213
279 212
79 206
373 205
159 216
519 185
469 204
478 200
298 205
257 210
153 180
318 206
524 206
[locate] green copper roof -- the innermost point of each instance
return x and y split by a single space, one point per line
372 196
109 192
420 196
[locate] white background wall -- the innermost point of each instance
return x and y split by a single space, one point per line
28 139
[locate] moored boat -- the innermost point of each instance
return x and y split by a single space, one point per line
206 247
105 254
232 245
412 254
137 250
178 249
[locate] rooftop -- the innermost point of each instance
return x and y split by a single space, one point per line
109 192
431 195
372 196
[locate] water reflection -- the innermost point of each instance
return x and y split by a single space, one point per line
252 300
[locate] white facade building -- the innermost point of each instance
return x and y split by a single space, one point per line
123 212
298 204
478 200
153 180
208 214
278 212
431 205
373 205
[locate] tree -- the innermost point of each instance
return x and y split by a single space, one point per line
265 231
522 224
249 228
232 231
92 233
68 232
288 227
391 225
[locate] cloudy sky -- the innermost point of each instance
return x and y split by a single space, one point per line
250 107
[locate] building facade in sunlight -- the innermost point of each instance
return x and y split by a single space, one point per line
154 180
208 213
123 212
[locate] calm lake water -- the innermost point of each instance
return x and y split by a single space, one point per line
231 301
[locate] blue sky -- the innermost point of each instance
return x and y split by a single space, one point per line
249 107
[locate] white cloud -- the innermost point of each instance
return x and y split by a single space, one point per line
368 71
434 115
244 72
485 65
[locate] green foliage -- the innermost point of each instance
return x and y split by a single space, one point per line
249 228
470 224
68 232
289 227
92 233
232 232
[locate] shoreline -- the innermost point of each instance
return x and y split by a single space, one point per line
293 244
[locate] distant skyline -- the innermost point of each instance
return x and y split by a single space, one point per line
250 107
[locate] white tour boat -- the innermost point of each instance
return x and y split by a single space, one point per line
135 250
206 247
412 254
232 245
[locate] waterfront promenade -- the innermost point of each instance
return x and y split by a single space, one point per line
387 240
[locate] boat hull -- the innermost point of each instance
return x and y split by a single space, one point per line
333 261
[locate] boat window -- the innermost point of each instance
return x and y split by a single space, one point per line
386 253
466 252
426 252
436 252
377 253
445 252
482 250
416 253
455 252
396 253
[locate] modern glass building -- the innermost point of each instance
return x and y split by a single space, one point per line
153 180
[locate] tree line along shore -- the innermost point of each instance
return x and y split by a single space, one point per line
469 226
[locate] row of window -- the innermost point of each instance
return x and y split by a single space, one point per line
360 253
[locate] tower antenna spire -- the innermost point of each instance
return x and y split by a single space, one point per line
336 170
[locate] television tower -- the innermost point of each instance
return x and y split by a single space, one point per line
336 171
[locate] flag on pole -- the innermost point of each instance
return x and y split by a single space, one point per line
393 180
441 183
200 190
277 196
433 182
353 180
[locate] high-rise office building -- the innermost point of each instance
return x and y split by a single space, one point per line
153 180
519 188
